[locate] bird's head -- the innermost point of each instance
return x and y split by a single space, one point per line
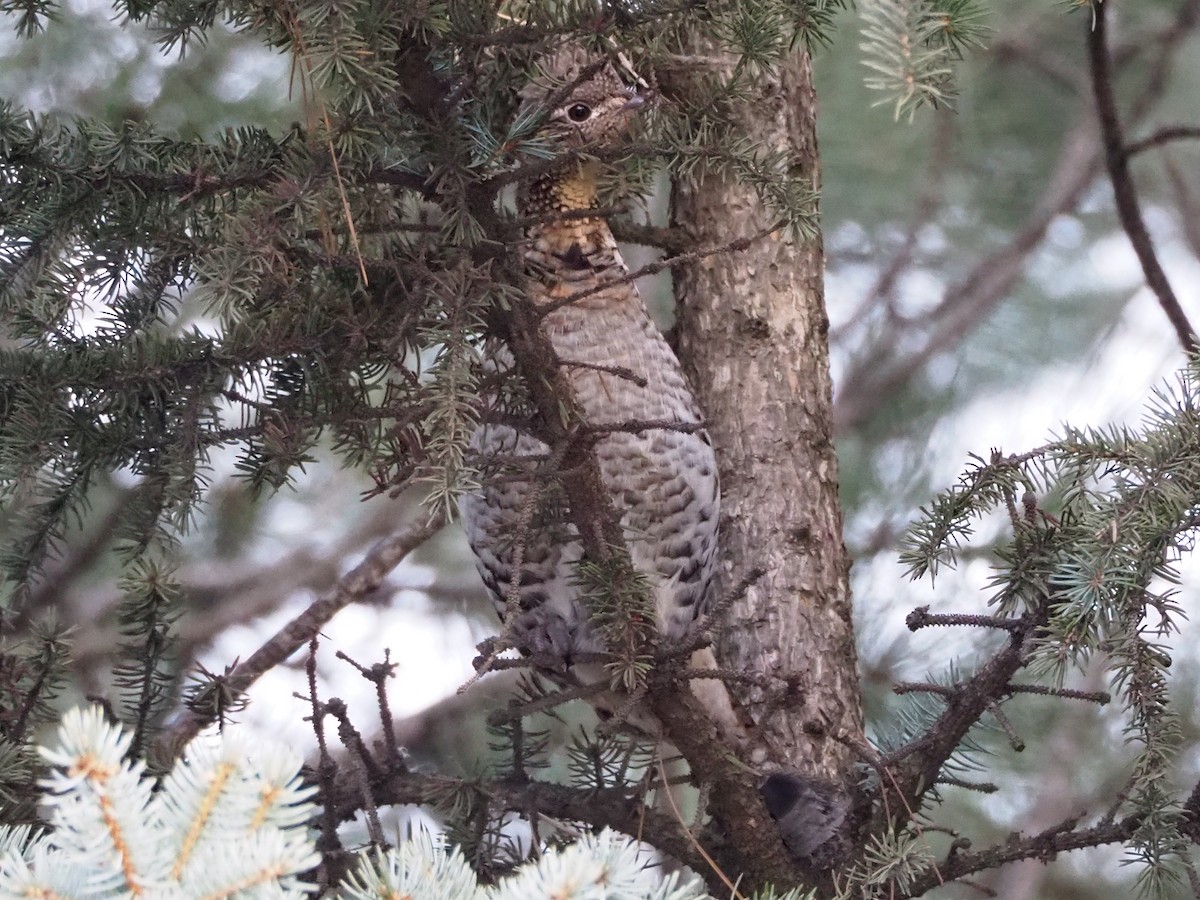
586 102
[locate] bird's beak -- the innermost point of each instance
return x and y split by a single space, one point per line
635 101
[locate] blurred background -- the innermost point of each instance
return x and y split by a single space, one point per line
980 294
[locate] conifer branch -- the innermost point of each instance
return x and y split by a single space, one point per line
226 817
1044 847
915 767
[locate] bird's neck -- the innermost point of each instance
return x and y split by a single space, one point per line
569 248
570 190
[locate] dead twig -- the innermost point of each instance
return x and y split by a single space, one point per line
356 584
1117 158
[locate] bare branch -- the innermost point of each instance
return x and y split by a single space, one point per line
672 240
662 265
1117 158
353 586
921 617
1160 137
870 385
619 371
634 426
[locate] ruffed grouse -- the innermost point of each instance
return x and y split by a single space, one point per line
663 482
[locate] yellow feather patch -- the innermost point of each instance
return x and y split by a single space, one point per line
577 191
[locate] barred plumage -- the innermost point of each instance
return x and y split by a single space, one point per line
663 480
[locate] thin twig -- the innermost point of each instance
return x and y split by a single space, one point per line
921 617
515 711
1160 137
662 265
363 768
671 240
730 886
636 426
360 581
619 371
329 842
873 382
1101 697
914 767
1117 157
378 674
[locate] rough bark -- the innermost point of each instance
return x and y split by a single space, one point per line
753 336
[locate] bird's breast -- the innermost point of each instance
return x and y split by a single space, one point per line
577 262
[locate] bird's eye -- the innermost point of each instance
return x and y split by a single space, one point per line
579 112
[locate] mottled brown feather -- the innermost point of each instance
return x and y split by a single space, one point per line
663 482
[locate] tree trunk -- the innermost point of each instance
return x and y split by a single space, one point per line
753 336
